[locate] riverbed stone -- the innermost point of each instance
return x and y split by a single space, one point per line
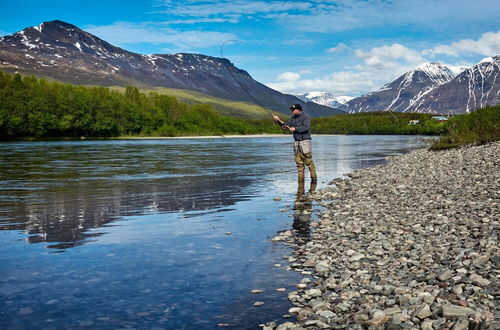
411 244
286 326
454 311
322 267
423 311
479 280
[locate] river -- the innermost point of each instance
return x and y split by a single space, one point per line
157 234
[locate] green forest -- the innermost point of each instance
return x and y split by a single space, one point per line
33 108
36 108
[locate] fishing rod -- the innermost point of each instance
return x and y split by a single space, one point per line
237 81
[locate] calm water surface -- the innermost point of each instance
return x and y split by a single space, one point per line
135 233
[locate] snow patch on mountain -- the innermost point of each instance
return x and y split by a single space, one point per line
325 98
456 70
487 60
38 27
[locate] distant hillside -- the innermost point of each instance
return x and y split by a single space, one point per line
66 53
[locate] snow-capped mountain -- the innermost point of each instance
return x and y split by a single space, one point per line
435 88
473 88
64 52
324 98
400 94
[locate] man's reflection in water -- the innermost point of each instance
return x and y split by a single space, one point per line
302 212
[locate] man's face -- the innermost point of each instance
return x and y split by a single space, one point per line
295 111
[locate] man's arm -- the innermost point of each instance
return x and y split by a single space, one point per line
284 125
278 120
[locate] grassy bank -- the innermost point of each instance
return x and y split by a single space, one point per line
478 127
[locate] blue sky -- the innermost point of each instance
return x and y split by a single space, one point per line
347 47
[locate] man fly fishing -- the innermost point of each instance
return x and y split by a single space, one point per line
300 126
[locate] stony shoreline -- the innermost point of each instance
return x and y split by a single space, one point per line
412 244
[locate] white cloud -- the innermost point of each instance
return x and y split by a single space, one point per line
380 65
343 15
289 76
230 7
339 83
387 56
297 41
202 20
488 45
341 47
123 33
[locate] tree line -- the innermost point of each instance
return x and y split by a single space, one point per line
36 108
33 107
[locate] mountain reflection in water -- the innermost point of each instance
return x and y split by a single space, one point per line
66 216
56 192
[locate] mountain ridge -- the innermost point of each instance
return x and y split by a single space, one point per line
399 94
436 88
64 52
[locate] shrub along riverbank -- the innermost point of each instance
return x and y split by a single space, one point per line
36 108
478 127
379 123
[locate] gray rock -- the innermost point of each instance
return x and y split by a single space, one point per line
461 325
322 267
313 292
286 326
480 261
455 312
392 310
327 314
423 311
445 275
427 325
479 280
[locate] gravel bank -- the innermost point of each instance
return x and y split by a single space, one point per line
408 245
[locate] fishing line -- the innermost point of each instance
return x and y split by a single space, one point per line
394 116
237 81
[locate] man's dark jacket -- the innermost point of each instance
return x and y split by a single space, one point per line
302 124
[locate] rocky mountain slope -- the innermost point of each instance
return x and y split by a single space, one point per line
64 52
400 94
435 88
474 88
